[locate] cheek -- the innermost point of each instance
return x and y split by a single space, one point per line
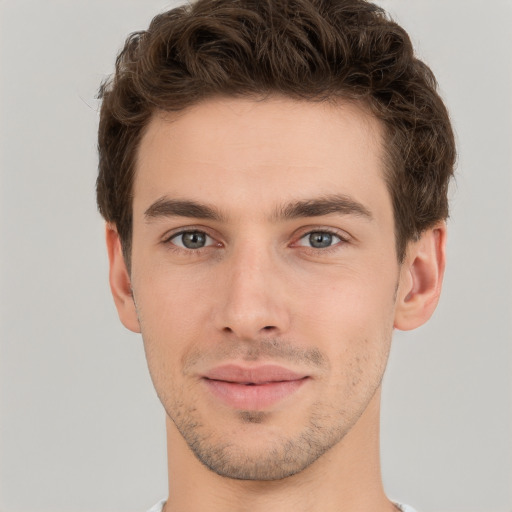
351 320
169 292
347 298
173 312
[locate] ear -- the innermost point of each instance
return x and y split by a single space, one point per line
421 279
120 283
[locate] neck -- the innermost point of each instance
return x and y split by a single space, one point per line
346 478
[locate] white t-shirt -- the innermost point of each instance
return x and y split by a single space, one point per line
158 507
403 508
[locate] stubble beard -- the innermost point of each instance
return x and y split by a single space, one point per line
280 458
279 455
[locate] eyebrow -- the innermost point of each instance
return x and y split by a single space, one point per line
325 205
317 207
165 207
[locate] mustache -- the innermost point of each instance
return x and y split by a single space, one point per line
274 349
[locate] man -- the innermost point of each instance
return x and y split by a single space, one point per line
273 175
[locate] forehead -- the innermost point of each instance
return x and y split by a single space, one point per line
259 153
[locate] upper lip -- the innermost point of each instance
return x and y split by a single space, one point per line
253 375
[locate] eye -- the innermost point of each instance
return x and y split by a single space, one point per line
191 240
319 240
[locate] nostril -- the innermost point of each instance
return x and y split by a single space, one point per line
268 327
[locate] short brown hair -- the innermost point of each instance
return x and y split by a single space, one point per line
315 50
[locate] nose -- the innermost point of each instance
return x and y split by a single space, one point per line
252 299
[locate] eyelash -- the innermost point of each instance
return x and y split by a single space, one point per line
343 239
168 241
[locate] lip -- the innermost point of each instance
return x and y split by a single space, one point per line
253 388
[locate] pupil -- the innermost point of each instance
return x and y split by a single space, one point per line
320 240
194 240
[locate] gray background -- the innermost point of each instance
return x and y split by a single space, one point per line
81 428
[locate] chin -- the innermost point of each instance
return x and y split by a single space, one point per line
258 452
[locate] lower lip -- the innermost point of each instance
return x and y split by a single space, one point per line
253 397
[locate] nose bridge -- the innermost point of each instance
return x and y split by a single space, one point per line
252 295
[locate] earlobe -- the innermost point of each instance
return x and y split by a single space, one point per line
421 279
120 283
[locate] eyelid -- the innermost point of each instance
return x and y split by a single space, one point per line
307 235
303 232
168 237
170 233
343 236
209 241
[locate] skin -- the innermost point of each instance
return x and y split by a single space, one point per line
258 292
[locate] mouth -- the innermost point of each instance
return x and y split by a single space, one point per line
253 388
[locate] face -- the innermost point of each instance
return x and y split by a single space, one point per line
264 276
